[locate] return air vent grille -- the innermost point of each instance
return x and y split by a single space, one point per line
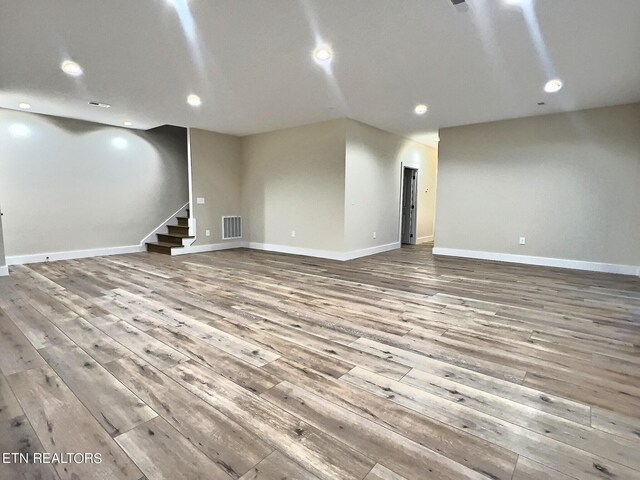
231 227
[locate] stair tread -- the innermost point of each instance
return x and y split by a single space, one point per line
176 235
165 244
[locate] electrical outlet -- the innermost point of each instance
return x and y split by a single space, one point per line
207 233
523 240
293 233
200 200
375 234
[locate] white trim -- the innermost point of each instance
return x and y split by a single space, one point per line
222 227
208 248
151 236
4 271
365 252
328 254
544 261
92 252
400 202
189 172
69 255
307 252
428 238
403 166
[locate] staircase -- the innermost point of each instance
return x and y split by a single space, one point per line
168 243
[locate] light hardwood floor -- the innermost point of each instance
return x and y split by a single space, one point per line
250 365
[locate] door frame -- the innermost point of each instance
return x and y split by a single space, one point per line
413 239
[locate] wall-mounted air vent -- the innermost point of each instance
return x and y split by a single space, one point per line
231 227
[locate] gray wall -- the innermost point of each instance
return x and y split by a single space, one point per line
69 185
569 183
216 176
294 180
333 183
374 159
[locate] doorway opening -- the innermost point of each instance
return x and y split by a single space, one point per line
409 205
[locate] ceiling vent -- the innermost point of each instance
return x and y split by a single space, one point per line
98 104
460 5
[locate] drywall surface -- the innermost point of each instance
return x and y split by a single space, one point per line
293 180
374 162
569 183
68 185
216 177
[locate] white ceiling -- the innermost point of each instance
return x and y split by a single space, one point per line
251 62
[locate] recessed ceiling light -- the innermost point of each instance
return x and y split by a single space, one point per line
323 54
553 86
127 123
421 109
71 68
24 106
194 100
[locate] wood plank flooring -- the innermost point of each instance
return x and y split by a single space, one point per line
252 365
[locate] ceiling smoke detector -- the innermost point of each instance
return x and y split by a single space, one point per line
460 5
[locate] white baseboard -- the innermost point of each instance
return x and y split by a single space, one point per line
4 271
307 252
69 255
542 261
93 252
99 252
365 252
212 247
428 238
328 254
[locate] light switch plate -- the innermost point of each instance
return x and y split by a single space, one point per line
200 200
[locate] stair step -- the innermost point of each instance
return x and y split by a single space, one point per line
183 221
177 235
178 229
161 247
172 238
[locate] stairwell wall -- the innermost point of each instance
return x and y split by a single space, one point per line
69 185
